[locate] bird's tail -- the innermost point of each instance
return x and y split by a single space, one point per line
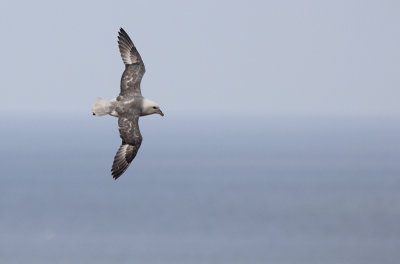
102 107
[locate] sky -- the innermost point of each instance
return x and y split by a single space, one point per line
207 188
262 58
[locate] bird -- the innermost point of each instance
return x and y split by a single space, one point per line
128 106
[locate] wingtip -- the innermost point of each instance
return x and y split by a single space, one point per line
121 31
115 174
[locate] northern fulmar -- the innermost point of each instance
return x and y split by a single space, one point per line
128 106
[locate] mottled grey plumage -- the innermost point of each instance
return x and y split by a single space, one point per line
134 67
128 106
131 141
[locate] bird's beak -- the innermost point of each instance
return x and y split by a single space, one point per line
160 112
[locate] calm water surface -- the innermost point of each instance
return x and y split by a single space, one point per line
226 190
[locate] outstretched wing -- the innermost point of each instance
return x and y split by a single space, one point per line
134 67
129 53
131 141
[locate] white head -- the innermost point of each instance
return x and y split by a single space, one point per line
149 107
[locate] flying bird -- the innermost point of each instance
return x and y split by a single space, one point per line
128 106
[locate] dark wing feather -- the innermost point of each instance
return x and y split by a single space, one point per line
134 67
129 53
131 141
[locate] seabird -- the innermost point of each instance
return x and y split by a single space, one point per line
128 106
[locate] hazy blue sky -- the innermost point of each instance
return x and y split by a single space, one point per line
217 190
248 57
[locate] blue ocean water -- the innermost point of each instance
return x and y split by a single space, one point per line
226 190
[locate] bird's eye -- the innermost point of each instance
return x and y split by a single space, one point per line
154 107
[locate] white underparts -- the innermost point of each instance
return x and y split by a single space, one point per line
113 112
103 107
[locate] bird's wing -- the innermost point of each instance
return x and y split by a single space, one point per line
131 141
134 67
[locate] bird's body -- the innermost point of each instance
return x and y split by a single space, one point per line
128 106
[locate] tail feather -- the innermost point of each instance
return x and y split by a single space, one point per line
101 107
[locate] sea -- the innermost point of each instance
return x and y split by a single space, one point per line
221 189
